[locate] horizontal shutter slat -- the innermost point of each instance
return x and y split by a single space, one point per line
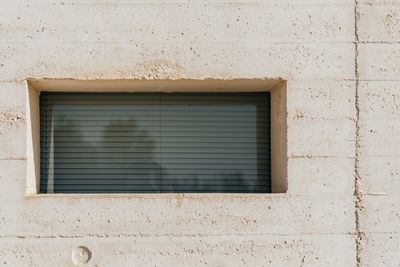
128 156
142 178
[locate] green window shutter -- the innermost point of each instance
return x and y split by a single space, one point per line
155 142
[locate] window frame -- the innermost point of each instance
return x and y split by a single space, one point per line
278 124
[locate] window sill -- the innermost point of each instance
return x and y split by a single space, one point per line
160 195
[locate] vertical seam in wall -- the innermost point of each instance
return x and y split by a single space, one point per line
357 189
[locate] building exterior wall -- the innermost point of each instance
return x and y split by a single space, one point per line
341 61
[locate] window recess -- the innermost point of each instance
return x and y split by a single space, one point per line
155 142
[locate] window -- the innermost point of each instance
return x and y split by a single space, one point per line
155 142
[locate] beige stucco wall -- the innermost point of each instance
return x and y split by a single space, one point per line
341 60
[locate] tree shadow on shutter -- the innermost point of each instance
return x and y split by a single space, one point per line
70 158
138 169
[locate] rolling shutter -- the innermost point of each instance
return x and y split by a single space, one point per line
155 142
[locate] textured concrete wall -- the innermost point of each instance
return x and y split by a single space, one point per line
341 59
379 132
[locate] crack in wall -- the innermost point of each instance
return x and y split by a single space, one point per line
357 183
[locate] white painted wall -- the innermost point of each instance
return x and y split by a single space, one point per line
342 62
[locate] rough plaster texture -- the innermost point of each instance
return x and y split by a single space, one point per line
341 59
379 132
